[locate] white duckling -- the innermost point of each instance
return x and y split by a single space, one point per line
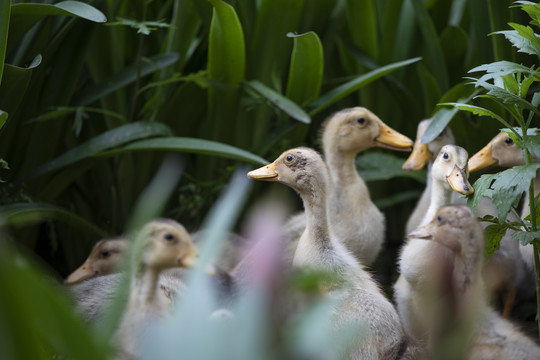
361 302
358 223
164 244
449 298
449 173
104 259
421 155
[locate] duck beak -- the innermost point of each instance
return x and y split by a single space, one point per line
418 158
421 233
82 273
458 181
390 139
426 233
191 260
266 173
482 159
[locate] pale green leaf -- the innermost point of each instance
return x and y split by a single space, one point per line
280 101
477 110
493 236
526 237
502 68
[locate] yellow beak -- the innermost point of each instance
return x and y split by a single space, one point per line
459 182
82 273
418 158
191 260
266 173
391 139
482 159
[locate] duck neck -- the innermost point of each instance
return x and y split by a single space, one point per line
317 221
342 166
440 196
144 286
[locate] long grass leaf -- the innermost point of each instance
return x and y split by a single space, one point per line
5 10
280 101
112 138
189 145
124 77
351 86
25 214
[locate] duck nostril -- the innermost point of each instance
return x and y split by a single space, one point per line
466 188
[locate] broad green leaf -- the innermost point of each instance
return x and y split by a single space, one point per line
532 143
3 118
5 10
494 234
456 12
226 67
434 57
15 84
481 189
124 77
376 166
25 15
306 69
110 139
25 214
280 101
189 145
362 25
348 88
401 197
41 329
526 237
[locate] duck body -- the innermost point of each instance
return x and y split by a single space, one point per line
450 296
359 300
357 222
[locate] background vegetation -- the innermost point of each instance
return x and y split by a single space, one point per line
93 95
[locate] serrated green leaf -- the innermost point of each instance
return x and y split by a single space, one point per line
306 69
493 236
526 237
532 143
481 189
376 166
25 214
189 145
523 45
502 68
477 110
349 87
280 101
110 139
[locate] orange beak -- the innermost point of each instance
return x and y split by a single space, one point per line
418 158
458 181
266 173
391 139
482 159
82 273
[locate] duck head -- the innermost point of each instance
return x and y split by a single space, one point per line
450 168
500 151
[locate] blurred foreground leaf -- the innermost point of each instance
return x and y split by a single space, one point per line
376 166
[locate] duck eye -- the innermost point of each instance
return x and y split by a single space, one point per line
445 156
509 141
105 253
361 120
439 218
168 237
289 158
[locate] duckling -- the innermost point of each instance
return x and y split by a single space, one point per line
164 244
358 223
104 259
361 302
449 173
502 151
421 155
448 296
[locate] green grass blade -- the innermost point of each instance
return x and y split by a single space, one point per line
279 101
25 214
3 118
189 145
5 10
112 138
306 69
348 88
124 77
362 21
